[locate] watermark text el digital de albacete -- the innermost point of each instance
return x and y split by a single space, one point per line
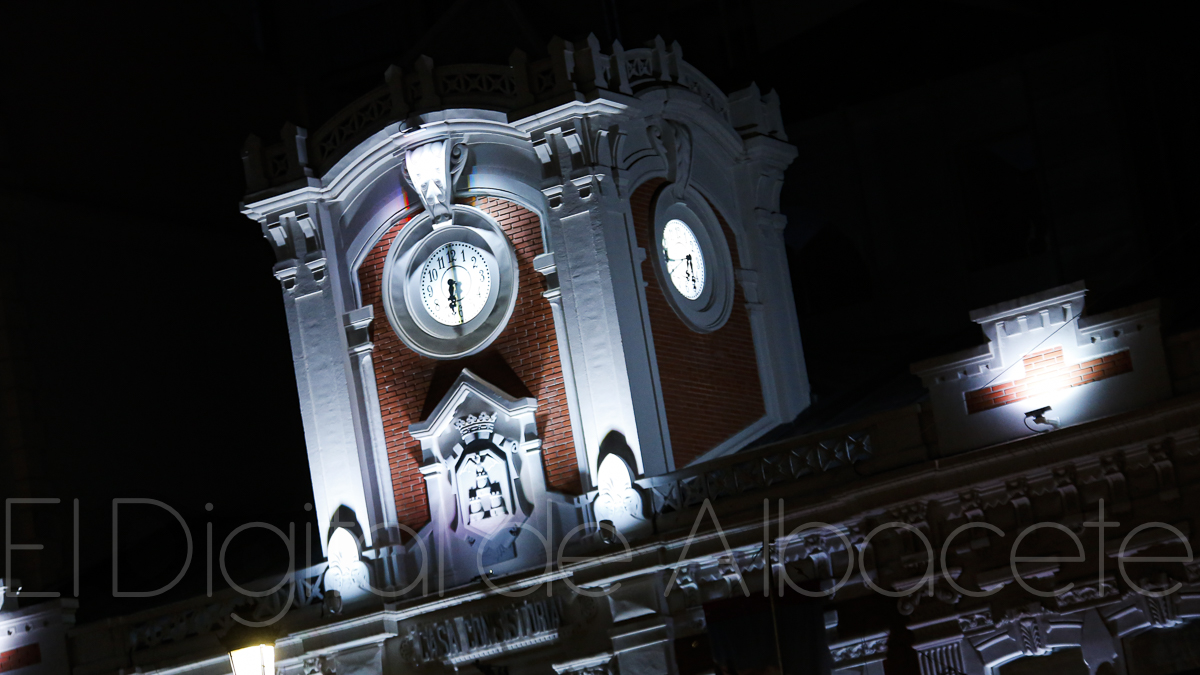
775 540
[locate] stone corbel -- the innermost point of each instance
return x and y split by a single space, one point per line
673 141
1113 467
1164 470
431 169
285 272
358 329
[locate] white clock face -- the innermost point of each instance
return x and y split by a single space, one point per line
684 261
455 283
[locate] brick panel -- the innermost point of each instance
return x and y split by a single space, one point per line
1045 371
528 346
710 381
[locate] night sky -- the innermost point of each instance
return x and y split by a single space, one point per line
148 329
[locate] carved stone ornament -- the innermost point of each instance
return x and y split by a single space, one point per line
484 477
348 575
859 651
430 169
617 500
673 141
319 665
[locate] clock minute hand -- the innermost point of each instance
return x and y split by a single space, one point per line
457 293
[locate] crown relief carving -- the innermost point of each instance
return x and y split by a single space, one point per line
472 427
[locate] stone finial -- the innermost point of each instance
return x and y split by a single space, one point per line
394 77
591 65
754 114
621 68
519 63
429 98
562 58
295 148
252 164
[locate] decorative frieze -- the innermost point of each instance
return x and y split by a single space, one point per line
859 651
749 472
481 635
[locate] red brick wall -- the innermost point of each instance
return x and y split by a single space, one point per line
709 380
1045 371
528 347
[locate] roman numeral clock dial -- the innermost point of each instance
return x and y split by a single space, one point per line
455 282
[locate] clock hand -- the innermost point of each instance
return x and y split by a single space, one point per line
450 291
455 298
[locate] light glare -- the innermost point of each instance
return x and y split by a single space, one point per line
257 660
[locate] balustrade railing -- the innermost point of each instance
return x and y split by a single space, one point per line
520 86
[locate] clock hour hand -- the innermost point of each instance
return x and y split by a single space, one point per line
450 293
453 295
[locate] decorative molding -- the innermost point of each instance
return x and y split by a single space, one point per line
599 664
976 620
734 476
1088 594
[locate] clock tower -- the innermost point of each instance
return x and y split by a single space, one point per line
513 291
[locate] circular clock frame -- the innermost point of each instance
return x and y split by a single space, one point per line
406 312
711 308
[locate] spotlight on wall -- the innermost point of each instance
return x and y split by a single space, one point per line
1042 417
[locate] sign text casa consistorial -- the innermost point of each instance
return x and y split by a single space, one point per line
483 634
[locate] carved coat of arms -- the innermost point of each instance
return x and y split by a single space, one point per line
482 476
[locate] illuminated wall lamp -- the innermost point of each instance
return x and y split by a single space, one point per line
251 651
254 660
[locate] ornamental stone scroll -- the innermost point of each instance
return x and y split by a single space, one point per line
431 169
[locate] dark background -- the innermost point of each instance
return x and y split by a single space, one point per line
952 154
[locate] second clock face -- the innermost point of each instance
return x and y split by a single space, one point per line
684 261
455 283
